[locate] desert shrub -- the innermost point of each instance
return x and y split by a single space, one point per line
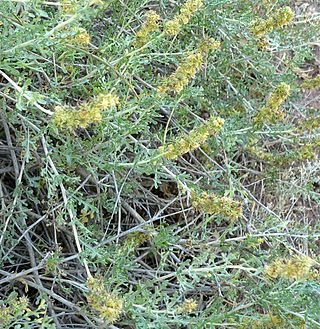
159 164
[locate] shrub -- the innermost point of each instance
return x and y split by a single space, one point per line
159 164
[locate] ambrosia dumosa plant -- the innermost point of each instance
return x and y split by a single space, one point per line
159 164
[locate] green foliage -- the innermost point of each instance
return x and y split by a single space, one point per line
148 182
15 313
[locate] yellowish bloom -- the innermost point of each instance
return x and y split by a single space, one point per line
104 101
151 25
263 43
311 84
135 239
183 75
309 124
262 26
272 321
213 204
269 115
193 140
307 152
188 9
282 17
279 95
107 304
12 309
260 153
208 44
272 113
177 81
296 268
303 152
69 6
86 114
82 37
64 117
172 27
189 305
278 19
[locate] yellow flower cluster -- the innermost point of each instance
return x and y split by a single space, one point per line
65 116
189 305
104 101
71 118
189 67
187 10
278 19
151 25
69 6
134 240
10 311
271 113
193 140
311 84
208 44
262 26
15 311
304 152
279 95
282 17
183 75
213 204
260 153
108 305
81 37
309 124
263 43
271 321
296 268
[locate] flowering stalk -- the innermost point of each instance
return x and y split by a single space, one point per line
213 204
193 140
309 124
278 19
271 113
311 84
187 10
107 304
150 25
271 321
70 118
72 6
189 67
304 152
296 268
